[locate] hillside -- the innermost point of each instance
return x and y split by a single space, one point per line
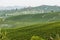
26 33
45 17
29 19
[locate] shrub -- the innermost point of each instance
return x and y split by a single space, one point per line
36 38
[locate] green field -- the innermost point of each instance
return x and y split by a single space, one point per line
25 33
31 27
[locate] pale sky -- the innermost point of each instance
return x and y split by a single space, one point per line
29 2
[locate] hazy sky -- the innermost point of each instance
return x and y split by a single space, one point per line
28 2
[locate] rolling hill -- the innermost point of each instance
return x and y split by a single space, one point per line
30 19
26 33
45 17
29 10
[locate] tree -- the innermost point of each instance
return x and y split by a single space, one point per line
52 11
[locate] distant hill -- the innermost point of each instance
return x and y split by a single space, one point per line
11 7
29 10
48 8
43 8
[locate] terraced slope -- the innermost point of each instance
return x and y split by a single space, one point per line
36 17
26 33
31 19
